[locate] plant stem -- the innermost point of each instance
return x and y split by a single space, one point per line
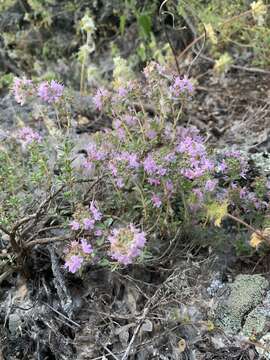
250 227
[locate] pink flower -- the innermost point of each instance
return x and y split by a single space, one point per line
75 225
156 201
74 263
181 85
126 244
74 244
198 194
243 192
88 224
130 120
153 181
86 248
170 157
121 133
195 153
100 97
117 124
94 154
150 165
120 183
50 92
210 185
28 136
133 161
122 92
112 168
151 134
192 173
161 171
222 166
21 89
169 186
95 212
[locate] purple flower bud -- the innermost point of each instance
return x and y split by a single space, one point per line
86 248
100 97
156 201
21 89
88 224
50 92
28 136
74 263
210 185
120 183
95 212
98 232
126 244
75 225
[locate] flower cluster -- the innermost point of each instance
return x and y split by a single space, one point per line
234 165
194 152
86 218
126 244
50 92
22 88
28 136
94 155
248 198
76 254
100 97
181 85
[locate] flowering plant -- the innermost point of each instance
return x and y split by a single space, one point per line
149 175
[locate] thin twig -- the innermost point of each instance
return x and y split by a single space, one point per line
60 314
250 227
141 319
109 351
140 322
18 247
46 241
161 14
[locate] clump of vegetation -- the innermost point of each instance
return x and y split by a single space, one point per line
52 35
149 178
236 27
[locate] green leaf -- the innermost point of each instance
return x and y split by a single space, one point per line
142 52
145 24
104 262
108 222
100 241
122 25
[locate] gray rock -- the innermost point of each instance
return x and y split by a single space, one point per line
256 323
14 322
244 295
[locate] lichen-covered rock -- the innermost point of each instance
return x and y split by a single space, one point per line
245 294
256 323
